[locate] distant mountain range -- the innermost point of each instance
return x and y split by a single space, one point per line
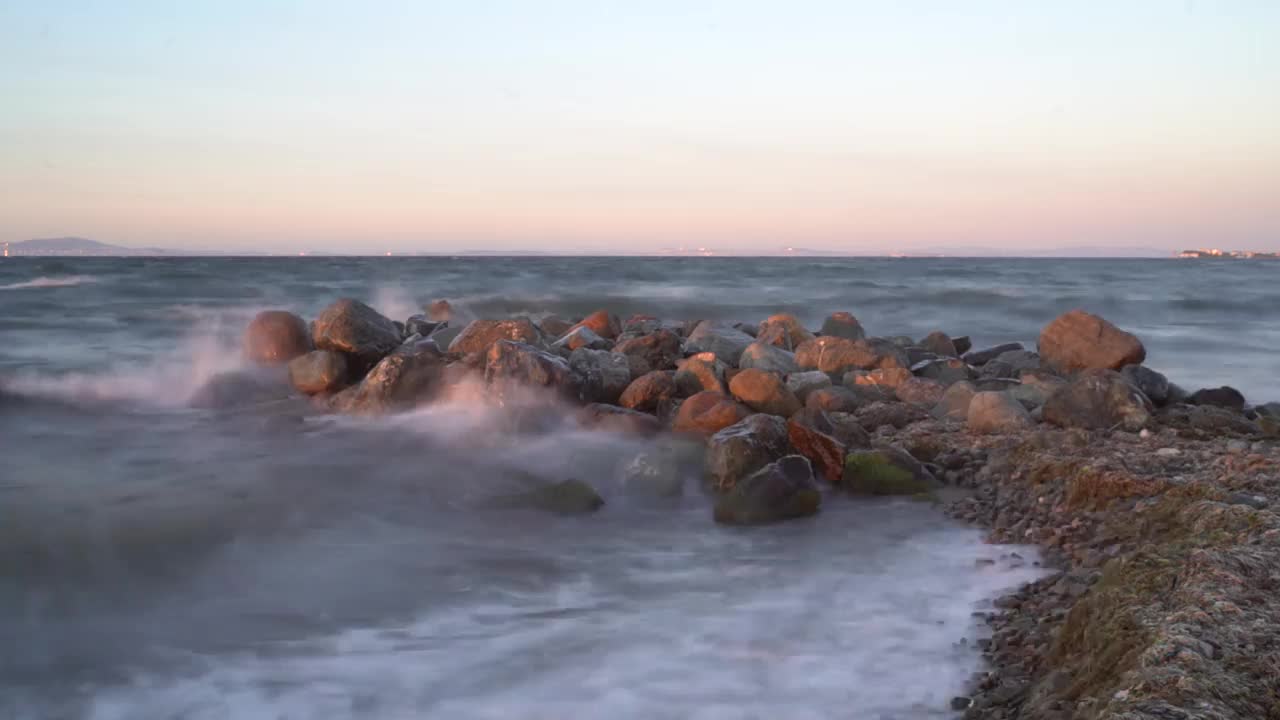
79 247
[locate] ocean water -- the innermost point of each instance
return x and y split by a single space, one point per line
159 561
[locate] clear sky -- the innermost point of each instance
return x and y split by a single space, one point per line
600 125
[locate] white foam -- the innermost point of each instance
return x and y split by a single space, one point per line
50 282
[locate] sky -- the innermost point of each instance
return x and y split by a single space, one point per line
742 126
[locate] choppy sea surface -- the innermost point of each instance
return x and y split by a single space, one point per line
160 561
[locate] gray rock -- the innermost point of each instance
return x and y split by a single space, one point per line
782 490
1223 397
1098 400
954 404
601 376
1152 384
982 357
481 335
421 325
725 341
356 330
803 383
701 373
963 344
939 343
993 413
568 497
582 337
658 350
510 365
242 388
740 449
843 325
945 371
1018 360
764 356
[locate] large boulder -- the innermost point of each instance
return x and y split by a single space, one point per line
744 447
886 471
839 355
510 364
979 358
274 337
945 371
816 436
703 372
603 324
658 350
783 330
803 383
481 335
843 325
1223 397
319 371
356 330
764 356
406 378
920 391
725 341
1152 384
601 375
581 337
611 418
954 403
782 490
764 392
554 326
648 391
707 413
992 413
1098 400
939 343
1078 340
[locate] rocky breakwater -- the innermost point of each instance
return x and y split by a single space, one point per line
1154 505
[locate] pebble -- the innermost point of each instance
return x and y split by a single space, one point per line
1238 446
1168 452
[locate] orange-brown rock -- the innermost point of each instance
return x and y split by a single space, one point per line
1078 340
707 413
275 337
764 391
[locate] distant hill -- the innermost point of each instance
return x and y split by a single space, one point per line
79 247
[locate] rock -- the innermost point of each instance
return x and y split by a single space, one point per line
481 335
554 326
1269 425
707 413
783 330
1012 363
567 497
439 311
420 325
954 403
1098 400
637 325
582 337
839 355
1220 420
646 392
939 343
702 372
406 378
982 357
1030 395
946 371
660 470
814 435
356 330
891 414
883 377
601 376
764 392
763 356
993 413
659 350
803 383
1152 384
885 471
740 449
1271 409
782 490
602 323
1078 340
834 399
510 364
963 344
920 391
1223 397
902 341
842 325
610 418
319 371
726 342
274 337
444 336
242 388
751 330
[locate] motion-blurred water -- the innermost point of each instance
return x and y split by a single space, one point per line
162 562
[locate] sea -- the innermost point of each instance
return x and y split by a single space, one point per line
160 561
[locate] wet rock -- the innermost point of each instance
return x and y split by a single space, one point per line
783 330
582 337
1010 364
356 330
703 372
440 311
319 371
1223 397
1032 395
883 377
954 403
839 355
420 325
707 413
637 325
993 413
813 434
648 391
1218 420
740 449
963 344
804 383
946 371
274 337
1152 384
780 491
834 399
554 326
982 357
763 356
890 414
842 325
764 392
659 350
601 376
610 418
1098 400
510 365
660 470
242 388
726 342
602 324
902 341
920 391
567 497
406 378
886 471
939 343
1078 340
481 335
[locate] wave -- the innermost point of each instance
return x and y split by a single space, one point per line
50 282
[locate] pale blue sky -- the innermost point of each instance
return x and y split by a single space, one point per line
640 125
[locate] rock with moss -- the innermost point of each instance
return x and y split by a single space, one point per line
886 471
782 490
567 497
